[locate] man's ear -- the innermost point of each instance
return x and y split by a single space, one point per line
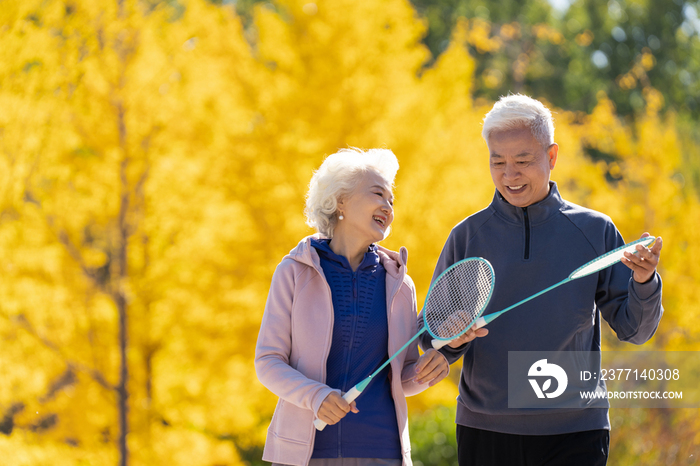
552 153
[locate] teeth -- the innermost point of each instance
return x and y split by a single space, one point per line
379 220
515 188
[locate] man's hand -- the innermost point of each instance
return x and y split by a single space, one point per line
644 262
334 408
432 367
468 336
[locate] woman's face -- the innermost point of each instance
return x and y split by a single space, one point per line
368 211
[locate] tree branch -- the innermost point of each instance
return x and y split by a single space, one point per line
21 321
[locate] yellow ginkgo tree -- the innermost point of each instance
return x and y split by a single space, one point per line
154 159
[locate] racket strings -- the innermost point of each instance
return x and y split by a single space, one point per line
457 298
610 258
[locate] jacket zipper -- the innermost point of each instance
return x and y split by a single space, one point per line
527 233
390 303
355 312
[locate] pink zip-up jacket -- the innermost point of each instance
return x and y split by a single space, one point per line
295 339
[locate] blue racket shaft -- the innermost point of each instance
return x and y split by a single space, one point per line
596 265
355 391
455 300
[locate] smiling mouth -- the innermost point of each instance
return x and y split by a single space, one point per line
516 188
379 220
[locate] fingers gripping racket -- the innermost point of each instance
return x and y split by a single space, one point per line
596 265
454 302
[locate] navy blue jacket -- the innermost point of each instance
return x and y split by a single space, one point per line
359 346
531 249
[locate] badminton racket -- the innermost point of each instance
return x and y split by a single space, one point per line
596 265
454 302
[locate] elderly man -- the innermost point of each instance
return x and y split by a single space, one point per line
534 238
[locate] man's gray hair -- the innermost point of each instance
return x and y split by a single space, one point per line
518 111
337 177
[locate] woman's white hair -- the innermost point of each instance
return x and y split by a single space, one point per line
337 177
518 111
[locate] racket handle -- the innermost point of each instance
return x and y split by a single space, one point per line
437 344
349 397
480 322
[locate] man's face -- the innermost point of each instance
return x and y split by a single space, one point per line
520 166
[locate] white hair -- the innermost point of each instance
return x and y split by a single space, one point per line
518 111
337 177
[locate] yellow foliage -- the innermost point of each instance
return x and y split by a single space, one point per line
585 38
153 166
479 36
654 100
548 33
647 59
627 81
510 31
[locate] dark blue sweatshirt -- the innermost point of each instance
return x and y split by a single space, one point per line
531 249
359 346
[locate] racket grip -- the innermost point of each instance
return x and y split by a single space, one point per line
349 397
437 344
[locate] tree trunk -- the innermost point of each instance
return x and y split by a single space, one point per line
119 293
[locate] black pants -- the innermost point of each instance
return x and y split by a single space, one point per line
477 447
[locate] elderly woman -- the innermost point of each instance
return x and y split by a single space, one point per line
339 306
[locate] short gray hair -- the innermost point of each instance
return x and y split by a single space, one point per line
337 177
518 111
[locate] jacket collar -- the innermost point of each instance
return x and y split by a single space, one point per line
369 260
394 262
537 213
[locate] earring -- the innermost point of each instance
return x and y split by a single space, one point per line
340 217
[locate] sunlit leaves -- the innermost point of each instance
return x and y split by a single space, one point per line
183 140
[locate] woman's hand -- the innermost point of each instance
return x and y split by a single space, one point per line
334 408
432 367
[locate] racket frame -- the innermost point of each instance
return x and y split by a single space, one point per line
629 247
355 391
438 341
